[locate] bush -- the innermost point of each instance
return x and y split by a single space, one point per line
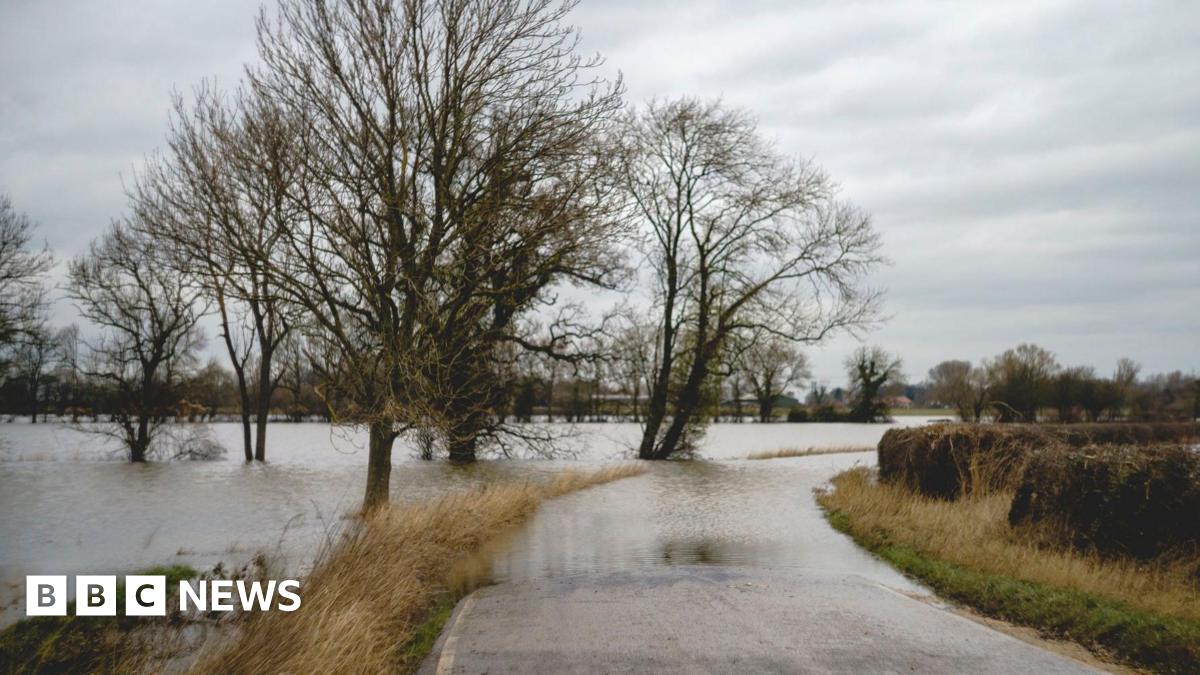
947 460
797 414
1142 501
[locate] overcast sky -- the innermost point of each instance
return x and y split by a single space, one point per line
1034 167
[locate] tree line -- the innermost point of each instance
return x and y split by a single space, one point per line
406 190
1028 384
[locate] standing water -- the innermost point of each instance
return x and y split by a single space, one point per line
70 505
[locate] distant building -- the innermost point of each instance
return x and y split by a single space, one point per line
898 402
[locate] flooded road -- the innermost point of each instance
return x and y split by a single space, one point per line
736 513
69 505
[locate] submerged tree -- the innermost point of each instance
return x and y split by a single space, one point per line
219 202
148 316
449 173
772 365
740 239
870 370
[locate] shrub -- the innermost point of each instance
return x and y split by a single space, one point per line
797 414
1142 501
946 460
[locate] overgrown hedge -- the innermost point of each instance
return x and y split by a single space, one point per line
1134 500
946 460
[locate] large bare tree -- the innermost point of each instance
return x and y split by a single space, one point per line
741 239
148 317
449 175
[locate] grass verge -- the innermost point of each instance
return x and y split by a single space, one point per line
378 601
1144 614
805 452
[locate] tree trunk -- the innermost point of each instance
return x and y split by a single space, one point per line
263 406
246 443
462 449
685 407
654 420
141 441
379 465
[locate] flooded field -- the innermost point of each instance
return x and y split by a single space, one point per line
69 505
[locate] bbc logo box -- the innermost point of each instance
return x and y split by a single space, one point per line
95 595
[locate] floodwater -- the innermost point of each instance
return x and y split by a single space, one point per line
744 513
69 505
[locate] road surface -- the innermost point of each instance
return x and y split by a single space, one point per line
722 619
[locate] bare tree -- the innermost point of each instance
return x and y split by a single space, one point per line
740 239
148 317
218 203
1125 381
22 294
961 385
772 365
32 358
1020 380
449 176
633 358
871 369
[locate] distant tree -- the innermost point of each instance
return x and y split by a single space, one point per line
68 384
33 357
212 387
739 239
148 318
818 394
870 370
1069 391
772 365
1099 396
961 385
525 399
1125 382
1021 380
633 358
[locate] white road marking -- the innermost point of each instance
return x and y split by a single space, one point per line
445 664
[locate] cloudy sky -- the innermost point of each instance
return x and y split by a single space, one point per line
1034 167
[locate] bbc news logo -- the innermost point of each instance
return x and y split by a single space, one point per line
146 595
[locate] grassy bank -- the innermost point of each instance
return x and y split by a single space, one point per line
377 602
949 413
1146 614
85 644
805 452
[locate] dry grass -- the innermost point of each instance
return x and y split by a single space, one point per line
973 532
367 600
805 452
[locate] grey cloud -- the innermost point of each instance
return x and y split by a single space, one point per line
1031 164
